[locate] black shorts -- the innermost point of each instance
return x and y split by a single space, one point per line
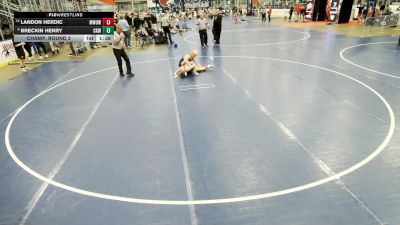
20 53
180 61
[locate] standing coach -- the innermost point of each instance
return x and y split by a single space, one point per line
217 26
119 51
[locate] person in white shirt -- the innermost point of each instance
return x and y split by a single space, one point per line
165 24
119 51
202 25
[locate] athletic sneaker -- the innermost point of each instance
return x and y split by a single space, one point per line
24 70
27 68
196 73
121 74
129 74
40 57
30 58
47 56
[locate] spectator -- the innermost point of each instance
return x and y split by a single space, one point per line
269 13
291 12
153 19
217 26
202 26
297 10
128 17
359 15
166 25
141 17
263 15
19 50
136 23
40 45
28 48
125 30
364 13
303 12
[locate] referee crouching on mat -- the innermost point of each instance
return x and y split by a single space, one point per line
119 51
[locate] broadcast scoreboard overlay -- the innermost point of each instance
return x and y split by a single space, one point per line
63 26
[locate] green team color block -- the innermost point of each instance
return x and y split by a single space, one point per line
108 30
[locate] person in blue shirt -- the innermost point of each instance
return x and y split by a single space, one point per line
126 30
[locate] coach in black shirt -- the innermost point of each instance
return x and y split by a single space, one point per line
128 18
136 23
217 26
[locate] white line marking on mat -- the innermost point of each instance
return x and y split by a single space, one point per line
390 50
362 67
340 99
194 87
182 148
306 186
51 85
324 167
53 173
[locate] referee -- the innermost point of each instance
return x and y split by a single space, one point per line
119 51
165 24
203 25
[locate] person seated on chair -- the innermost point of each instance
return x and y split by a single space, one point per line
188 64
149 30
183 23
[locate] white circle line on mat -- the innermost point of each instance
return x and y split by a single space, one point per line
362 67
358 165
